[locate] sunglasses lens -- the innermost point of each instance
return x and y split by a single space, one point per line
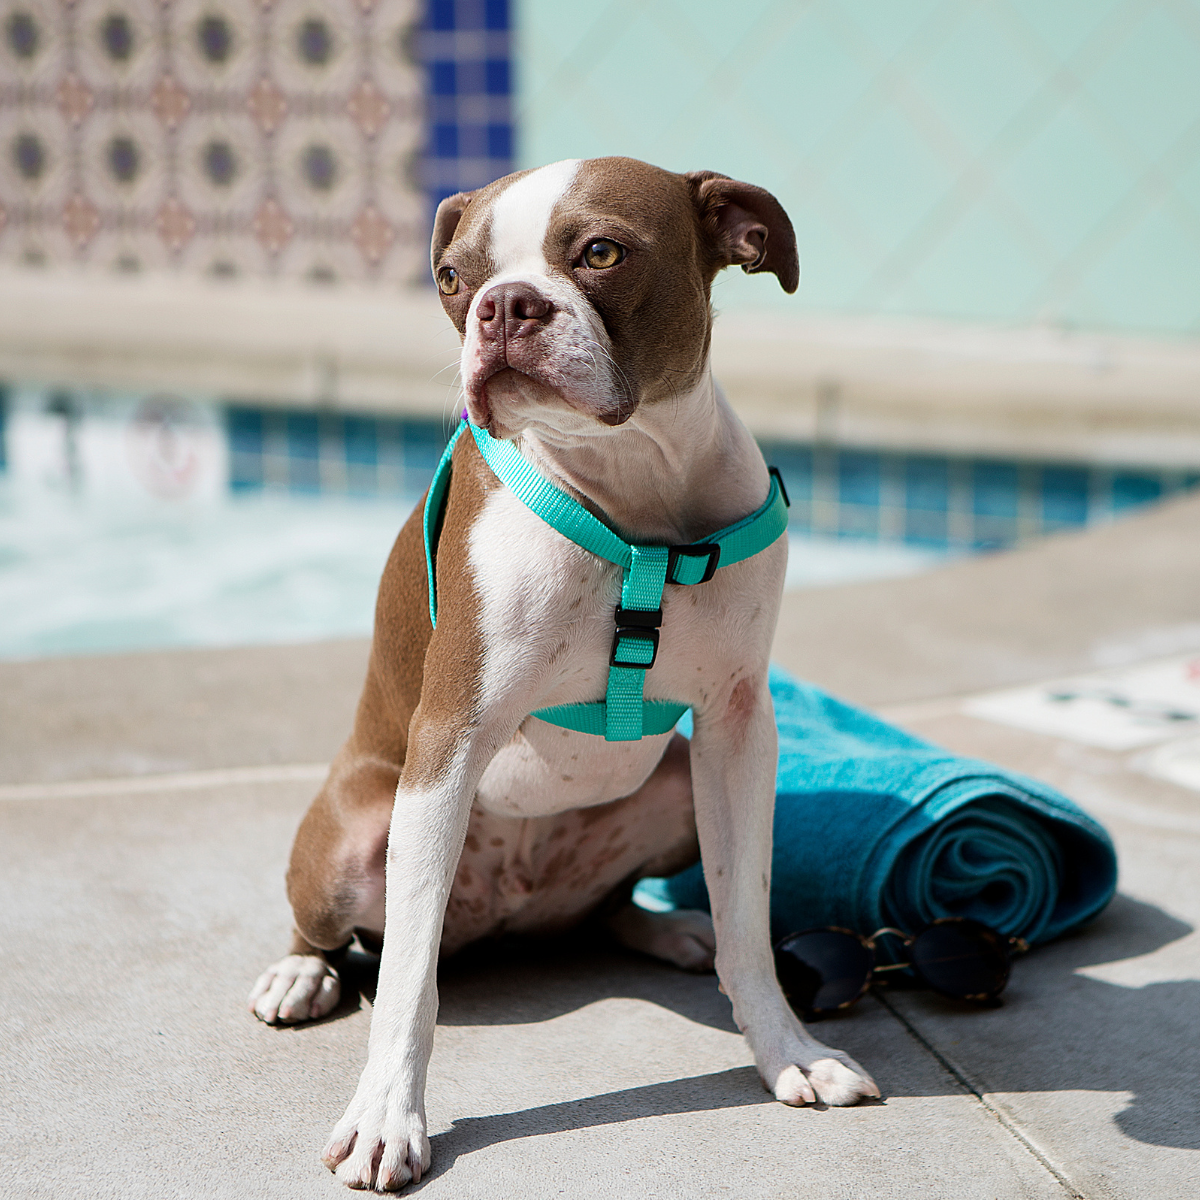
822 969
963 959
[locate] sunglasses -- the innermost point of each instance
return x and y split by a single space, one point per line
822 970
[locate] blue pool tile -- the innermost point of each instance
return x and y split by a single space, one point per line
244 429
1130 490
795 464
1065 496
858 521
303 452
359 437
927 485
993 533
926 527
245 426
303 435
389 436
858 478
495 14
245 474
995 489
422 443
927 500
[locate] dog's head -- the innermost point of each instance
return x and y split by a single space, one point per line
581 289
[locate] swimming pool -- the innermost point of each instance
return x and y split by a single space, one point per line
138 522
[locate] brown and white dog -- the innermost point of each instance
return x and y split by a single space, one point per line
581 291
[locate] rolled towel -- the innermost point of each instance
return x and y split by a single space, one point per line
876 827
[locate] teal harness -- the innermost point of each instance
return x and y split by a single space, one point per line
624 715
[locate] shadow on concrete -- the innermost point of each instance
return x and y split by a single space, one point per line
1059 1031
735 1088
1063 1031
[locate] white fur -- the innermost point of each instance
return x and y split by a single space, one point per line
521 216
300 987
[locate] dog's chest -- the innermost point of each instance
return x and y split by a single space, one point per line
546 611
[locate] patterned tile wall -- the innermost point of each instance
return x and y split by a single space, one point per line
222 137
995 160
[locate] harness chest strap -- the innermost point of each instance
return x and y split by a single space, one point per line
623 715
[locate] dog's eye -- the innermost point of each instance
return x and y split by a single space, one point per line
602 253
447 281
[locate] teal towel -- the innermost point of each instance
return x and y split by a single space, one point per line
876 827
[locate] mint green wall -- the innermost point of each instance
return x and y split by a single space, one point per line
1012 160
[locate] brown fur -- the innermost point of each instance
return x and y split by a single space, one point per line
416 678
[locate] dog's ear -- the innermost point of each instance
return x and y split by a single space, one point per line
445 222
746 225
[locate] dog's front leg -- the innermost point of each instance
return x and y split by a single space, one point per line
381 1141
734 751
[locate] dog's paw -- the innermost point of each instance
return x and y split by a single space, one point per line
377 1145
830 1077
684 937
301 987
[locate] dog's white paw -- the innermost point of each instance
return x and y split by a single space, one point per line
833 1078
300 987
378 1145
684 937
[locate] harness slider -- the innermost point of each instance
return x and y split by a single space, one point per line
711 550
626 644
779 480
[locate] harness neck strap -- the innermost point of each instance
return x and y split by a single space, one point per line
623 715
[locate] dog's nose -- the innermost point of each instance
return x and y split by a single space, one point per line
513 310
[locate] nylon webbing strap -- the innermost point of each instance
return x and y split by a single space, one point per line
741 540
658 716
554 506
435 506
641 591
624 714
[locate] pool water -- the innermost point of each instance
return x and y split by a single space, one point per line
81 576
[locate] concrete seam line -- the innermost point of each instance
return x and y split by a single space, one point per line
969 1087
82 789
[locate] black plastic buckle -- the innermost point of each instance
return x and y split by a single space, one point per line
636 633
640 617
711 550
782 490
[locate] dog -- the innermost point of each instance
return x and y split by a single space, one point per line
581 291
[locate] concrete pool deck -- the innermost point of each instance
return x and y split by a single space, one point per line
147 803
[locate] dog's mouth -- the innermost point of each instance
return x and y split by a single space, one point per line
507 399
499 399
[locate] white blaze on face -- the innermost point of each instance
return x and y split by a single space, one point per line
521 216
